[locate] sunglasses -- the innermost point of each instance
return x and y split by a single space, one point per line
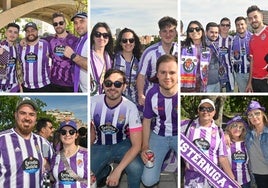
191 29
64 132
254 114
225 25
129 40
203 109
235 125
109 83
55 24
99 34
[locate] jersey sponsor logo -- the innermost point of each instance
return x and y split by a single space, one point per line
239 157
65 178
108 128
202 144
31 165
59 50
31 58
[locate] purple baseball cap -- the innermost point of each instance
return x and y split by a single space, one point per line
236 119
68 123
253 105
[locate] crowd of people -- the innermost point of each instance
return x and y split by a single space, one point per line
134 104
55 63
212 60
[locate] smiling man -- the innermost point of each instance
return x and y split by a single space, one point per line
21 153
118 130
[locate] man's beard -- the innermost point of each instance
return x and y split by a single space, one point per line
32 40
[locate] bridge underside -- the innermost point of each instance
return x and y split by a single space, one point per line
11 10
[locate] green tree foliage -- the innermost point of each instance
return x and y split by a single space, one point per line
8 107
232 105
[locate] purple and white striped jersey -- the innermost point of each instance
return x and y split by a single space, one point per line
35 61
62 71
131 71
98 67
148 61
165 109
225 46
114 125
209 140
239 159
8 74
78 163
21 160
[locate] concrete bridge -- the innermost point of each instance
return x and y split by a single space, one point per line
11 10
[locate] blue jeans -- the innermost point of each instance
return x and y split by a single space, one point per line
102 155
215 88
242 81
160 145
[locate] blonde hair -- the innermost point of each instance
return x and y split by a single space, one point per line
243 134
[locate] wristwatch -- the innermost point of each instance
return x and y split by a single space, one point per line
73 56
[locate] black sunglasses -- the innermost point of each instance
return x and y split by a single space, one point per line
55 24
191 29
109 83
208 109
64 132
129 40
99 34
225 25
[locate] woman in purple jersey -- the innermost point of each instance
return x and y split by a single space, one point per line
69 165
237 152
195 57
101 55
127 56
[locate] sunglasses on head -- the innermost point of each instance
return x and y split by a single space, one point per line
55 24
99 34
109 83
208 109
225 25
129 40
64 132
191 29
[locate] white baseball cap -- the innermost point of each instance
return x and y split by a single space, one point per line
207 101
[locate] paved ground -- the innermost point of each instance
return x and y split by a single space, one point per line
167 180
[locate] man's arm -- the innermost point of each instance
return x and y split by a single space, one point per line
249 84
140 88
224 162
146 130
79 60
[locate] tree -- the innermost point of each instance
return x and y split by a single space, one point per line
8 107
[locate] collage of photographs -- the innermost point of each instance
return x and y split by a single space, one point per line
91 95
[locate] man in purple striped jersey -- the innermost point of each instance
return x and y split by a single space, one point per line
209 138
161 103
79 55
62 71
35 61
146 77
8 55
21 153
118 130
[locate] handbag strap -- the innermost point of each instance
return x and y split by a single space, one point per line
69 170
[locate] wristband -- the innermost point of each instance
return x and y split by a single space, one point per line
73 56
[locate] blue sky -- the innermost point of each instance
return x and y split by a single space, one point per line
213 10
76 104
140 15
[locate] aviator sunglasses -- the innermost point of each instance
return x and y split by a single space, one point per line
64 132
99 34
55 24
191 29
129 40
208 109
109 83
